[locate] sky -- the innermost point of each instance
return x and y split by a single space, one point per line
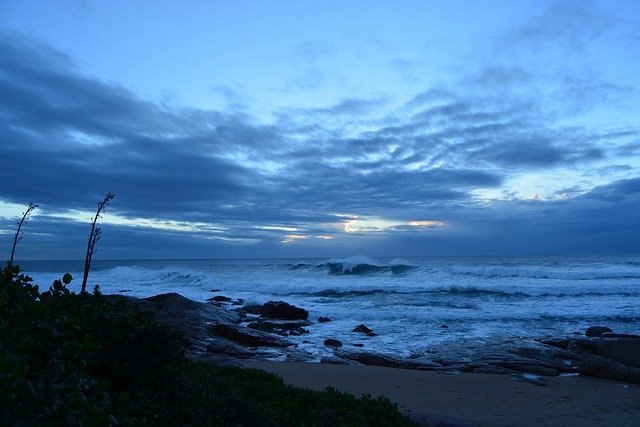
243 129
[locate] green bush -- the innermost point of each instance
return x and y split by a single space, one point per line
202 394
65 356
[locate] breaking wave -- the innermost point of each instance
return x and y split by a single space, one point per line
361 265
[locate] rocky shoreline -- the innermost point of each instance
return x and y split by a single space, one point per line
224 331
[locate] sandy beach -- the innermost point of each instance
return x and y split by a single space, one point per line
487 400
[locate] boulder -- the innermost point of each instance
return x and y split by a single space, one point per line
612 335
332 343
247 336
557 342
363 329
278 310
603 367
622 350
374 359
191 317
323 319
285 328
596 331
219 298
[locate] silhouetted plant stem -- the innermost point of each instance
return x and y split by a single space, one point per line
94 236
18 236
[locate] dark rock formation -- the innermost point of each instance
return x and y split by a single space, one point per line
623 350
612 335
219 298
596 331
188 316
323 319
278 310
362 328
281 327
332 343
603 367
380 359
247 336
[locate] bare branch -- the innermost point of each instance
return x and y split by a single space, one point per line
94 236
18 236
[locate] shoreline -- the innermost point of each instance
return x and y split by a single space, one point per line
480 399
507 382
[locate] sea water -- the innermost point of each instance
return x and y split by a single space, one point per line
409 303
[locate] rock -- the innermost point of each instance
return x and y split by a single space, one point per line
247 336
362 328
283 310
252 309
191 317
358 344
239 301
332 343
603 367
371 334
582 344
557 342
323 319
596 331
529 368
612 335
535 380
444 326
286 327
278 310
623 350
374 359
219 298
214 290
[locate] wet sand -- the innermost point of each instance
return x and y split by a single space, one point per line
487 400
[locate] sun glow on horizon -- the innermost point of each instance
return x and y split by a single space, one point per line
378 225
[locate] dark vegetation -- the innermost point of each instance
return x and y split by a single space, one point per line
96 360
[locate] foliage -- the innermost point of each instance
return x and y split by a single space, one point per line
64 357
80 359
202 394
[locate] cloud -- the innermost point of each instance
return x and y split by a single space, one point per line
220 183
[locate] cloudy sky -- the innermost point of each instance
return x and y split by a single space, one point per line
333 128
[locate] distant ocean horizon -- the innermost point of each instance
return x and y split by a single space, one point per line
410 303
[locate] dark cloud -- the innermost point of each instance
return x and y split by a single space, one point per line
67 138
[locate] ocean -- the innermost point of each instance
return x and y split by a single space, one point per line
410 303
